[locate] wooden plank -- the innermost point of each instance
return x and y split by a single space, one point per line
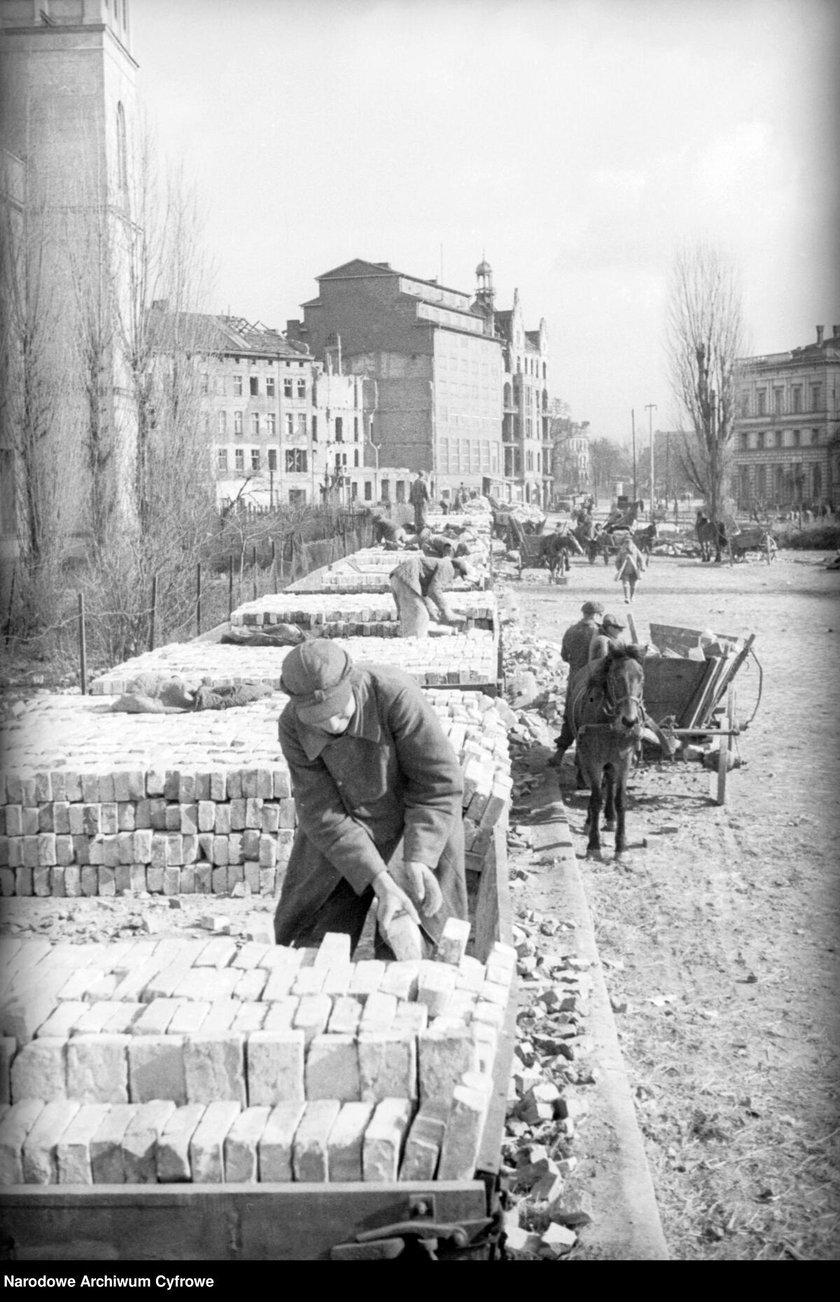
223 1223
670 685
682 640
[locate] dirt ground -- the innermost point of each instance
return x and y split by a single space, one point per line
720 936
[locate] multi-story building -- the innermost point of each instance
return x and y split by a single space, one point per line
571 460
788 426
526 429
434 365
282 428
68 102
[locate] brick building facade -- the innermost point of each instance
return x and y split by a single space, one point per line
787 433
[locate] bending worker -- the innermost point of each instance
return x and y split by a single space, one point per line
418 584
370 768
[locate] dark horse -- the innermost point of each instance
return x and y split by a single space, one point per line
608 717
709 535
557 550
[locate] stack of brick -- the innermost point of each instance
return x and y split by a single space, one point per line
470 657
345 615
140 1062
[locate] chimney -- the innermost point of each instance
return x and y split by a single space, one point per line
820 333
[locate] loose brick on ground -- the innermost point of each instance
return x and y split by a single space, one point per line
310 1152
241 1143
384 1138
73 1147
275 1148
208 1140
172 1154
39 1157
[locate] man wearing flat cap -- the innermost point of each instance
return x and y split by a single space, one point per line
370 768
608 636
574 649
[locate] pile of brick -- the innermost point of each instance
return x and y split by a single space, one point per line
96 803
141 1062
469 657
345 615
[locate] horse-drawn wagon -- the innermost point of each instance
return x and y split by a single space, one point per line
689 690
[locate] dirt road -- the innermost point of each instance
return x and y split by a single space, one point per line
721 937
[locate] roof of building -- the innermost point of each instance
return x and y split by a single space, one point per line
203 332
360 269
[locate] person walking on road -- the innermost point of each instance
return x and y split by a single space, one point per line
419 586
629 566
419 497
371 771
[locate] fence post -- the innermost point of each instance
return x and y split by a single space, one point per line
198 599
254 570
11 604
82 646
230 586
152 619
274 563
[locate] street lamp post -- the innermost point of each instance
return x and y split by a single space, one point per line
633 423
651 407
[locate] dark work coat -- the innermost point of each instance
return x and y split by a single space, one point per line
392 775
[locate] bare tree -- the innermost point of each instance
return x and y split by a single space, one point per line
704 339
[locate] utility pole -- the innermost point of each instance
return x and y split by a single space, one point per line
633 421
650 408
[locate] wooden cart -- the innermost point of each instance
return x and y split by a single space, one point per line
288 1222
690 689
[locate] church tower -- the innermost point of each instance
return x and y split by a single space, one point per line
485 294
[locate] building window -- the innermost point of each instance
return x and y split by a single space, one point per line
221 459
301 388
780 438
296 460
745 442
237 386
356 429
271 424
287 387
290 424
255 458
385 490
759 440
255 424
205 382
314 428
368 493
744 402
339 429
239 458
778 396
269 386
205 420
237 423
222 422
302 423
815 436
796 438
816 396
761 402
356 458
796 396
272 458
254 385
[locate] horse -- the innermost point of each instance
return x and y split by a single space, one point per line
645 537
608 716
557 547
710 534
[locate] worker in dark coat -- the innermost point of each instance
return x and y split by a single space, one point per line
419 586
419 497
574 649
370 768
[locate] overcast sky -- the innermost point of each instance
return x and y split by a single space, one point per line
575 143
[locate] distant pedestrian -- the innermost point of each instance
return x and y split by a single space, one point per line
629 566
419 496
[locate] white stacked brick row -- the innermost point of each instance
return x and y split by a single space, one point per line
470 657
345 615
138 1062
368 569
94 802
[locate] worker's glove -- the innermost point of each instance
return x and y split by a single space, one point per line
422 887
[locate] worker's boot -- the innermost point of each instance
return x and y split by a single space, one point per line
557 758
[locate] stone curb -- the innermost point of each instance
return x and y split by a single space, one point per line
626 1224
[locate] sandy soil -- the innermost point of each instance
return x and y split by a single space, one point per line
720 936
